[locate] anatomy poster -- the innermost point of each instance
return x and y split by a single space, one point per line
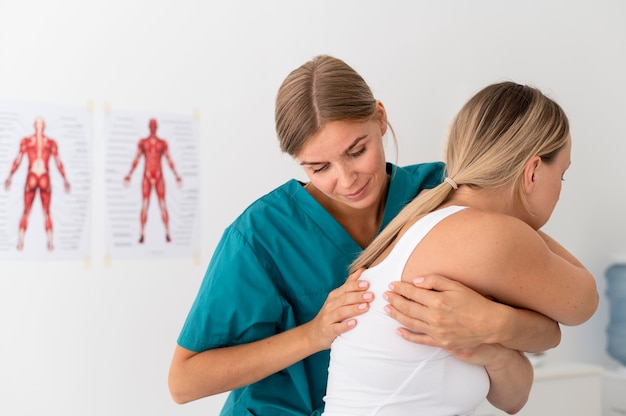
151 185
45 169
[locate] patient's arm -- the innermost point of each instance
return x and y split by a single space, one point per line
510 374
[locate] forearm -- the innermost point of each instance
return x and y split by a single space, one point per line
60 167
524 330
134 163
174 169
511 377
196 375
14 166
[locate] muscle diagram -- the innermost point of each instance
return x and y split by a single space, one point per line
38 149
153 149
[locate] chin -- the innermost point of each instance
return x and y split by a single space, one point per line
362 203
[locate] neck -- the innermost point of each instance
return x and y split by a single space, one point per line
361 224
496 200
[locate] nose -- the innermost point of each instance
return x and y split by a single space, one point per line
347 176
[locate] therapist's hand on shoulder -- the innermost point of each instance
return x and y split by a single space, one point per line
441 312
339 312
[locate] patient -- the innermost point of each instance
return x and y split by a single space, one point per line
507 151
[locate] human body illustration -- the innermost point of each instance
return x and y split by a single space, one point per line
38 148
153 148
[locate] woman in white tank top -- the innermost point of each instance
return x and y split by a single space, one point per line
507 151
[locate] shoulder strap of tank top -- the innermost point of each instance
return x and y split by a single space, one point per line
405 246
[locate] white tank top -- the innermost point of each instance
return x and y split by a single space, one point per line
374 371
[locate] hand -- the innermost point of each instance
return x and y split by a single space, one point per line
338 312
443 312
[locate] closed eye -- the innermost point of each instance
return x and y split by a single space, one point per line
320 169
357 153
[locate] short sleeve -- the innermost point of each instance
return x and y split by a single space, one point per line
238 300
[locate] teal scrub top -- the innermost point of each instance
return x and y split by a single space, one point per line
273 270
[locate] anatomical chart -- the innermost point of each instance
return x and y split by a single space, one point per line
151 185
45 169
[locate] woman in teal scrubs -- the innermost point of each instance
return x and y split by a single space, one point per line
275 293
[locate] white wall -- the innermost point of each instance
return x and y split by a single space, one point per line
90 339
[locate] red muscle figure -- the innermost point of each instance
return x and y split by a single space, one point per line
38 148
153 149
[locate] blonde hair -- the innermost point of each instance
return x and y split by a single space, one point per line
322 90
490 141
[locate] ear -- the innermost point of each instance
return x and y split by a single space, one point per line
530 173
381 117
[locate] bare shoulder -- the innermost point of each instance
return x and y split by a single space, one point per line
470 244
489 223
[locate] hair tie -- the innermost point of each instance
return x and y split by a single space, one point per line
451 183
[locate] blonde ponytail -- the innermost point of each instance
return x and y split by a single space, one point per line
422 204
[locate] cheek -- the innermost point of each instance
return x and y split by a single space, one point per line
553 198
557 190
376 162
321 182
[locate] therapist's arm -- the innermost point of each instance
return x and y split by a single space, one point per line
194 375
444 313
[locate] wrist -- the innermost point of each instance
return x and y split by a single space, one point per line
504 324
310 337
500 359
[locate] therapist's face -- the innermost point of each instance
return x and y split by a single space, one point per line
345 161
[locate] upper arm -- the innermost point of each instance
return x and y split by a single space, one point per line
22 149
519 269
139 149
503 258
237 302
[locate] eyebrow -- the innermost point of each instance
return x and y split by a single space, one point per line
352 146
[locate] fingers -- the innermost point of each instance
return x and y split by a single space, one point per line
425 311
435 282
354 292
349 308
434 292
412 300
418 338
453 315
334 320
407 312
343 305
345 325
351 299
355 275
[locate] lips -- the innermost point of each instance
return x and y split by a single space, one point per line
358 194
